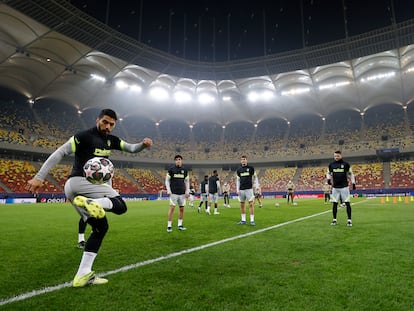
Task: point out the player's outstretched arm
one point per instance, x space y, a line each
134 148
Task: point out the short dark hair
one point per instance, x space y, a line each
338 152
215 171
109 113
243 157
178 156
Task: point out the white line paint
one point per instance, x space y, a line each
150 261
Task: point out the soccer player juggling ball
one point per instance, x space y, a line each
90 200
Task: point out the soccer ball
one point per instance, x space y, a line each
98 170
277 204
295 204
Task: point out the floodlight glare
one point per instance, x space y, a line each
205 98
121 84
182 97
158 93
136 88
267 95
98 77
253 96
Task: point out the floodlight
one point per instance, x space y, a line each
182 97
158 93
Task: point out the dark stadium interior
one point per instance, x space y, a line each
226 30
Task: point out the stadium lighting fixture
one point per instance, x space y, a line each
223 127
255 96
378 77
226 98
98 77
191 126
205 98
158 93
296 91
182 97
136 88
333 85
410 69
121 84
267 95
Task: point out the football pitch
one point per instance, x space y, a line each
293 259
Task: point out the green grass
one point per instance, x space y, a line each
303 265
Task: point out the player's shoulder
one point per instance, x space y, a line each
85 136
84 133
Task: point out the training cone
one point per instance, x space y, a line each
394 200
399 199
406 200
387 199
382 201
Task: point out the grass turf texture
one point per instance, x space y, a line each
304 265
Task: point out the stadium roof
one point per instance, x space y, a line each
49 50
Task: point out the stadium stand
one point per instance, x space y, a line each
149 182
15 173
401 174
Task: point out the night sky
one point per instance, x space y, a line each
215 31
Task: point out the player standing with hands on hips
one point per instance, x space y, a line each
90 200
337 175
244 186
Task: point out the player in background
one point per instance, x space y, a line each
192 196
290 190
226 194
326 192
81 233
91 201
177 183
258 196
337 176
213 192
245 177
203 194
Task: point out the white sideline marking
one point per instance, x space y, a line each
150 261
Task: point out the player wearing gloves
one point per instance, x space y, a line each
337 175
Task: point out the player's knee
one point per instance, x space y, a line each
99 227
118 205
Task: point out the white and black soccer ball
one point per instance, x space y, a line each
98 170
277 204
